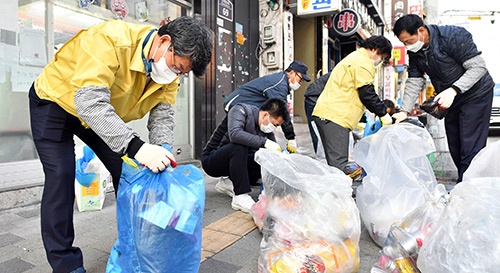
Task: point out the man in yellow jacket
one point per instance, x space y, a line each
347 92
99 80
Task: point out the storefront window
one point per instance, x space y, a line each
24 53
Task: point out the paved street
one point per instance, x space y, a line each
234 248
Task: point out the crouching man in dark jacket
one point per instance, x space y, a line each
230 152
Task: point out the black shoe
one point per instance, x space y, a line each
79 270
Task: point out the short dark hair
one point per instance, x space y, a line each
190 38
276 108
390 104
410 23
380 43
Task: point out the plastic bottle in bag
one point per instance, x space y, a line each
386 263
409 244
404 249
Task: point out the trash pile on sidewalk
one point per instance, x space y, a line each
311 223
423 228
400 177
405 238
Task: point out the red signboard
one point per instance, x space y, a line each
399 55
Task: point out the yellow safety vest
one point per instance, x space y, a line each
108 54
339 102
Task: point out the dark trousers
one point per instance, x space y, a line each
335 139
53 130
235 161
467 131
309 107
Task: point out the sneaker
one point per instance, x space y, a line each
79 270
225 186
355 172
242 202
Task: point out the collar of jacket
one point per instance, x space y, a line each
287 82
137 64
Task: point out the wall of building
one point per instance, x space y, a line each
305 51
236 39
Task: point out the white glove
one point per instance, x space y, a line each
155 157
273 146
291 146
386 120
400 116
445 98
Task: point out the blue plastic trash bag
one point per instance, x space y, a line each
84 178
372 125
159 218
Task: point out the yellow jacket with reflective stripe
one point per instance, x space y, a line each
339 102
107 54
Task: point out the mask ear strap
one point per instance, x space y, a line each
154 53
164 52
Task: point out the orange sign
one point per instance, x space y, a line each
305 4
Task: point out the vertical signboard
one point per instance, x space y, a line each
388 83
399 8
325 50
415 7
288 48
288 38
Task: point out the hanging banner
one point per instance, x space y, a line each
346 22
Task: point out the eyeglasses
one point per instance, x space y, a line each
175 69
300 77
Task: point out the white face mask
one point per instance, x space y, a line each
377 62
160 72
269 128
416 46
294 86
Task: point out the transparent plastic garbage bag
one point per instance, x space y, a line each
310 220
483 164
402 246
399 176
159 219
466 239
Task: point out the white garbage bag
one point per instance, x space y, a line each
485 163
311 223
467 237
399 176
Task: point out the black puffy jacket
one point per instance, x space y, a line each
450 47
241 127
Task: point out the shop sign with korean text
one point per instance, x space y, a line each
346 22
309 8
